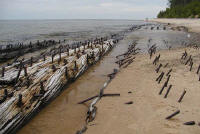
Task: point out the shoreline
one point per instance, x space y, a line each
193 25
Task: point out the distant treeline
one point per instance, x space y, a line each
181 9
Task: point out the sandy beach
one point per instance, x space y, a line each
193 25
149 109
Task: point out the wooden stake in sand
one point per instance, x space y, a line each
198 69
172 115
157 70
170 86
160 77
183 94
3 71
191 66
163 87
169 72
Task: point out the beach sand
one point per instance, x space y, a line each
193 25
149 109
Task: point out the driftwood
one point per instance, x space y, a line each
189 123
172 115
170 86
93 97
183 94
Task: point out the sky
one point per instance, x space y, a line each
80 9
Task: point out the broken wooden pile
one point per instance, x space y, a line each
127 58
25 88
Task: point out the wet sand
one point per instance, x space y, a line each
148 112
63 115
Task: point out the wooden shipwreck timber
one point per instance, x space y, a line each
27 86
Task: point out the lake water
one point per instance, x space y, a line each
14 31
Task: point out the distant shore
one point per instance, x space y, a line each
193 25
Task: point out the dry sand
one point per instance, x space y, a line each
193 25
148 112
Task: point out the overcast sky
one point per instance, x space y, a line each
80 9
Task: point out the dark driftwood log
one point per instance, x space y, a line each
190 123
183 94
93 97
172 115
170 86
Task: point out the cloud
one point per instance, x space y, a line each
81 9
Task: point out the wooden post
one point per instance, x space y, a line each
188 60
19 102
42 91
169 72
183 94
17 78
66 73
75 65
198 69
191 66
44 57
25 71
157 70
172 115
31 61
52 57
170 86
160 77
68 52
168 80
3 72
5 92
87 59
163 87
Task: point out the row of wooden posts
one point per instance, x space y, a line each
168 75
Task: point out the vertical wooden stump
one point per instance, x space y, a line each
42 91
183 94
31 61
157 70
169 72
19 102
75 65
198 69
68 52
66 73
25 71
44 57
18 74
3 72
52 57
168 80
191 66
170 86
87 59
163 87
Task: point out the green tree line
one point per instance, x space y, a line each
181 9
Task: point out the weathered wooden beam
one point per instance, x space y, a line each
170 86
183 94
172 115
